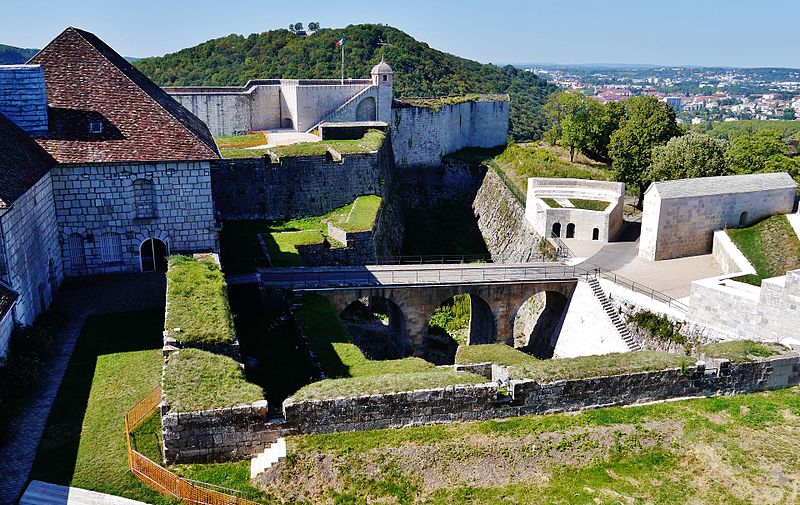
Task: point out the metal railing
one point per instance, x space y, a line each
161 479
518 194
562 249
637 287
358 277
454 259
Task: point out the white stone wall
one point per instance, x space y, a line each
95 199
542 217
32 251
421 136
224 113
729 257
679 227
315 102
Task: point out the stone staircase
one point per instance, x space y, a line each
271 455
43 493
616 320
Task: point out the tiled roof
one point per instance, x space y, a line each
22 162
705 186
87 81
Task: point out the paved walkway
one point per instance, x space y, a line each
277 138
78 300
44 493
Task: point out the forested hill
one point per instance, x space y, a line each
420 71
10 55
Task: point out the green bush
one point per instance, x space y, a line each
200 380
197 302
658 326
452 319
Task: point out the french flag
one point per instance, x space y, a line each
340 42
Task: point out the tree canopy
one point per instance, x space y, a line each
582 123
646 123
420 71
688 156
764 151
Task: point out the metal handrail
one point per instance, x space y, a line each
452 259
638 287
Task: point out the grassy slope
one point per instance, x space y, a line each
198 301
116 362
241 141
724 450
362 214
771 246
199 380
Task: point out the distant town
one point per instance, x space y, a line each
698 94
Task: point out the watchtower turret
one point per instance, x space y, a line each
382 77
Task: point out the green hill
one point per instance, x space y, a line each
10 55
420 71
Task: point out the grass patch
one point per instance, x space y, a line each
361 215
657 326
385 383
200 380
116 362
241 141
371 142
198 302
437 103
595 205
282 246
499 354
741 351
583 367
242 153
552 203
771 246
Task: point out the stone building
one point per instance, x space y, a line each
568 220
680 217
296 104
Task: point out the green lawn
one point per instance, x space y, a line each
578 203
369 143
740 351
771 246
360 216
116 362
198 302
241 141
242 153
282 246
499 354
200 380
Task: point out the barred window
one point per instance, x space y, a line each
144 198
75 251
110 247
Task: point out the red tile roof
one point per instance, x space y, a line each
22 163
87 81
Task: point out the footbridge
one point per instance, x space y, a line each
414 292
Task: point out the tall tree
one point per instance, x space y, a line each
605 120
570 116
764 151
688 156
647 123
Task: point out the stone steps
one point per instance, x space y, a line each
271 455
616 320
43 493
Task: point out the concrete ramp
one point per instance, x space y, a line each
43 493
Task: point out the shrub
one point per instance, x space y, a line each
658 326
197 302
452 319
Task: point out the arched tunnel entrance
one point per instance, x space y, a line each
463 319
378 327
537 323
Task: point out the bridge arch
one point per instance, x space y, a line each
537 322
378 327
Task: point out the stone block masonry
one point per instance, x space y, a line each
481 402
103 219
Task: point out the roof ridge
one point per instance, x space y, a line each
214 150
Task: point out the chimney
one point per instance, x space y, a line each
23 97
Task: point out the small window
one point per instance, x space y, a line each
743 218
110 247
143 197
385 77
95 127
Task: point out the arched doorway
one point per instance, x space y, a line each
366 110
287 123
378 327
462 319
153 255
556 229
596 234
571 230
537 323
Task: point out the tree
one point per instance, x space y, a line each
761 152
570 116
647 123
789 113
605 120
688 156
313 26
298 27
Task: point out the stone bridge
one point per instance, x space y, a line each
497 292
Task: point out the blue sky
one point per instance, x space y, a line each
698 32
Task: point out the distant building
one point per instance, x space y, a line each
674 102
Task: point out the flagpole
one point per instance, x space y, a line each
343 62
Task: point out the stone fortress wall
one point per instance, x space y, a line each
680 217
94 201
421 136
585 223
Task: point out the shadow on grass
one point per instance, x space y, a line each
125 376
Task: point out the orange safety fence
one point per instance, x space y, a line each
161 479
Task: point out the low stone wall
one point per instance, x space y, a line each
501 220
480 402
218 435
729 257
